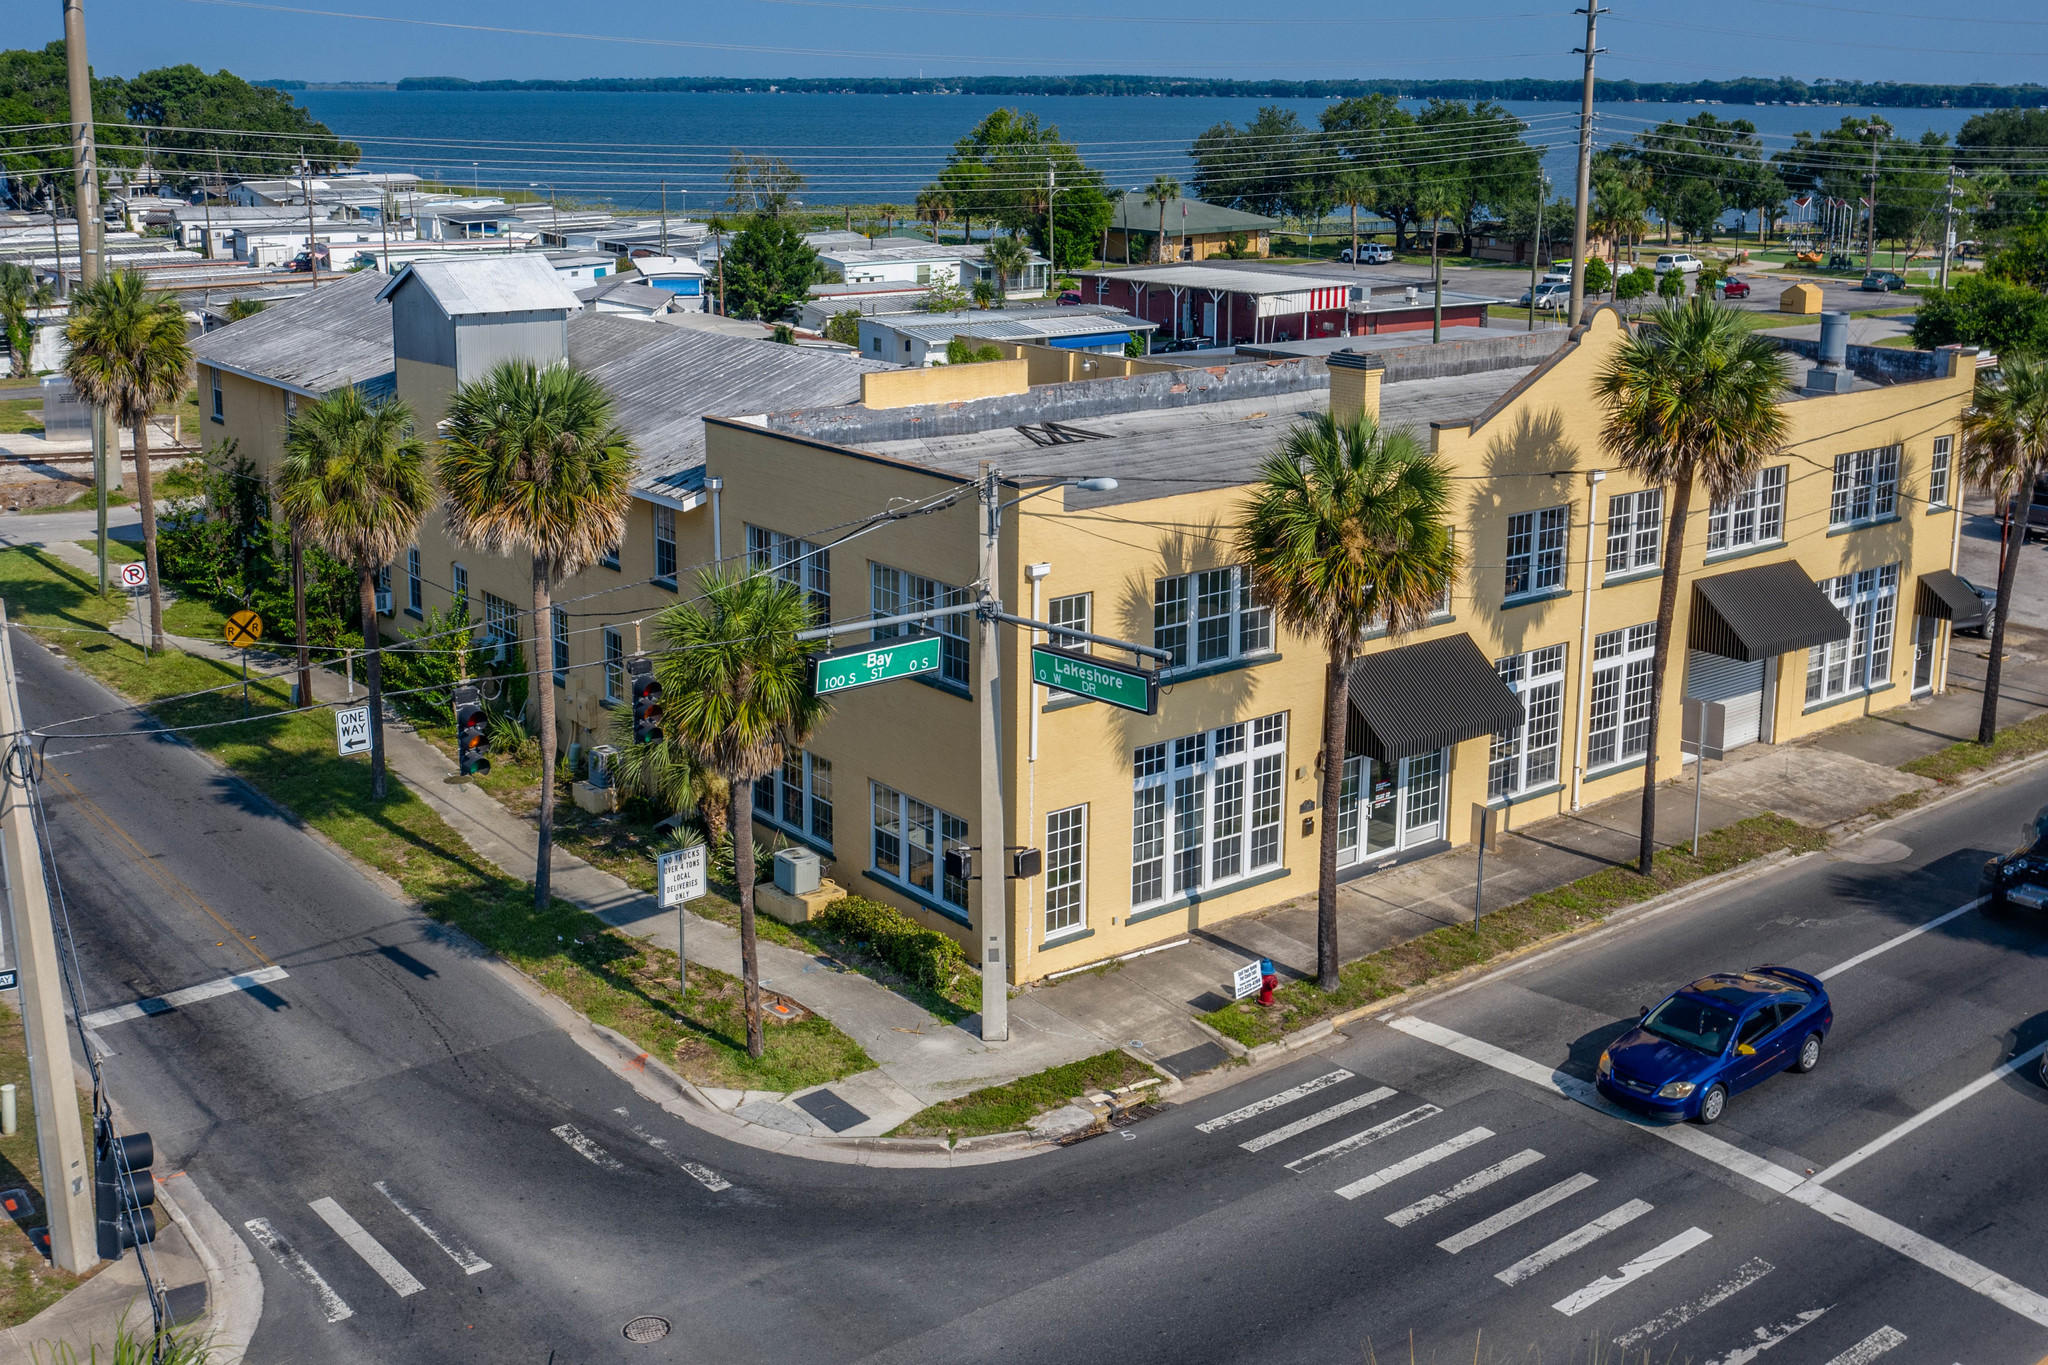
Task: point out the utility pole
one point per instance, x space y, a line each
995 883
91 250
664 218
1052 270
1948 227
1871 131
60 1138
1592 11
1536 246
312 242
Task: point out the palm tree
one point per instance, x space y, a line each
2005 449
534 463
1435 201
1163 190
1008 257
934 206
1346 529
1354 187
354 481
128 355
1691 398
21 293
736 689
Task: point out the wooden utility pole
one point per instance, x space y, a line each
312 241
106 444
1592 11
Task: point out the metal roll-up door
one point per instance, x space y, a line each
1736 685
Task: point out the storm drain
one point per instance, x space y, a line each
648 1328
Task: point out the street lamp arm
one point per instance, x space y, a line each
1095 485
1069 633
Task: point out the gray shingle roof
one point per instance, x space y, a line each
466 287
1136 213
325 339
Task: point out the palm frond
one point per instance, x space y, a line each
129 352
2005 428
354 478
735 680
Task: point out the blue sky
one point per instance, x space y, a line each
1991 40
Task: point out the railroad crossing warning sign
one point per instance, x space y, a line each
244 628
135 575
352 731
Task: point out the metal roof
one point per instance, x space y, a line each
1426 696
477 285
1138 214
1015 324
325 339
1223 278
1759 613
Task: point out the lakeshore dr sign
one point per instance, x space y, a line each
1069 670
878 661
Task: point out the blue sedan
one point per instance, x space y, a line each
1719 1035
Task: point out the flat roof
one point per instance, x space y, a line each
1013 324
1384 341
1230 279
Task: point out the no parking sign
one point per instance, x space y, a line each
135 575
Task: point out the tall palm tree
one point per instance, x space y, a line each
128 355
736 691
1346 529
354 481
534 463
2005 449
1354 187
1163 190
1009 258
21 293
934 206
1691 398
1436 200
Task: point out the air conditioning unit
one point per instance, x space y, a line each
601 757
384 603
797 870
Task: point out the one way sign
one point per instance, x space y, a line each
352 731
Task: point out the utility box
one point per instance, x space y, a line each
797 909
797 870
1800 298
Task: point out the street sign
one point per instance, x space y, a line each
681 874
1084 675
880 661
10 979
1246 981
135 575
1705 728
352 731
244 628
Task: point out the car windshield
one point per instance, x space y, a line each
1692 1023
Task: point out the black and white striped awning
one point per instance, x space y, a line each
1759 613
1424 697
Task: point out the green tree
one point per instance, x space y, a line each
1001 167
1346 530
1997 315
1370 136
934 206
1691 401
1009 258
354 482
533 462
238 309
1354 186
769 269
2009 144
736 686
760 185
2005 449
2023 259
198 122
1163 190
129 355
1436 199
1254 168
1479 151
1671 285
844 327
20 295
1696 207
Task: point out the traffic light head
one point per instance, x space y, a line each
646 701
124 1190
470 727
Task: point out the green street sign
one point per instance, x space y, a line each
1070 670
879 661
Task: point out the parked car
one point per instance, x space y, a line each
2017 877
1369 253
1550 294
1716 1037
1989 597
1732 288
1881 282
1677 260
1072 296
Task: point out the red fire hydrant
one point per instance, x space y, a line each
1268 979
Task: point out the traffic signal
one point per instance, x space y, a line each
470 724
646 701
124 1191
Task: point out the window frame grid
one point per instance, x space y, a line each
614 665
923 847
1066 871
1940 472
1207 809
665 561
1862 663
1516 762
558 642
415 585
1210 617
1635 531
1866 487
1537 550
1618 695
1740 522
894 592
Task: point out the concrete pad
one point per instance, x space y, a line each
728 1100
876 1095
1068 1118
1814 786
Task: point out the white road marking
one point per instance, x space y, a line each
1871 1347
1315 1120
1272 1102
1576 1240
588 1150
1936 1257
457 1250
1515 1213
369 1248
190 995
1478 1180
1746 1274
703 1175
1387 1175
1764 1338
1932 1112
331 1303
1345 1146
1656 1258
1892 943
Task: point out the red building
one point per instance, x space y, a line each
1227 306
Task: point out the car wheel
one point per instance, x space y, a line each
1809 1054
1713 1104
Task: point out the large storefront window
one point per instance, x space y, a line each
1870 599
1525 758
1618 721
1206 808
910 843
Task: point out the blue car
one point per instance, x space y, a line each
1719 1035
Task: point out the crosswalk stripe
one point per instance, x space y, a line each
402 1281
332 1305
1657 1257
1576 1240
1871 1347
1315 1120
1746 1274
1478 1180
1387 1175
1515 1213
585 1148
1764 1338
703 1175
190 995
1272 1102
457 1251
1345 1146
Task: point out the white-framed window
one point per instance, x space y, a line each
793 561
1635 530
220 412
501 620
1525 758
1072 612
1066 876
1206 808
1938 471
1618 721
415 588
1210 617
1536 550
614 665
458 579
895 592
798 795
1754 516
1866 486
1870 599
910 843
665 544
558 639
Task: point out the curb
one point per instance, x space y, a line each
234 1287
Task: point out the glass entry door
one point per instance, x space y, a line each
1383 808
1926 631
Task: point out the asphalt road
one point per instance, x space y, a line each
388 1068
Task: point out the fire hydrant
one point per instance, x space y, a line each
1268 979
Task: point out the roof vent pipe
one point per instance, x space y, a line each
1834 339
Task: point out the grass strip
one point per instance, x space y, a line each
1456 947
1008 1107
610 978
1950 764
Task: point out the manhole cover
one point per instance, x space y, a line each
647 1329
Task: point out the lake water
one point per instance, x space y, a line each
619 148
